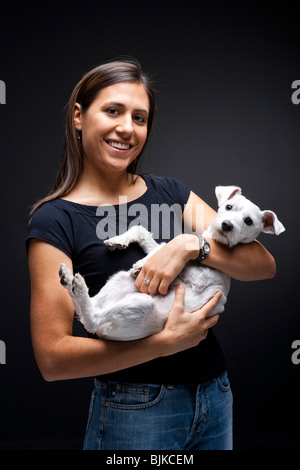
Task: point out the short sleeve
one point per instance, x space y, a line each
173 190
178 191
52 225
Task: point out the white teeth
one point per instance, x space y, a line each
118 145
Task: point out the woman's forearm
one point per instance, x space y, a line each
243 262
77 357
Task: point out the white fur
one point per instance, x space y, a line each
120 312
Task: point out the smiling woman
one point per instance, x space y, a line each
113 132
82 97
109 119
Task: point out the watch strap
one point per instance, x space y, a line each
202 255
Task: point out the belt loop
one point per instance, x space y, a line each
170 387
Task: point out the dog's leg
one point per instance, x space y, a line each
125 318
80 294
136 234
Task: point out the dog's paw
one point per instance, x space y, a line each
113 243
78 285
135 271
66 276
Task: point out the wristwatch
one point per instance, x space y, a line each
204 249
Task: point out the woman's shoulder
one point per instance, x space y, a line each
55 214
51 223
169 184
162 180
49 209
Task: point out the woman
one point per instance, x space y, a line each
169 390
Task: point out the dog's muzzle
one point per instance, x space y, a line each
227 226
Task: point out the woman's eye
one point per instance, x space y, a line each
248 221
140 119
228 207
112 111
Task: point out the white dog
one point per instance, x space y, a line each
120 312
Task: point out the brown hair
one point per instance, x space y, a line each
86 90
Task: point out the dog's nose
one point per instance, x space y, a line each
227 226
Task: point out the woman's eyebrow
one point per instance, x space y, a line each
121 105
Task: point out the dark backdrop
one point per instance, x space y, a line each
223 74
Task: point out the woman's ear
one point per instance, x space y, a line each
77 117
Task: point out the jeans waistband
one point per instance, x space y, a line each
114 383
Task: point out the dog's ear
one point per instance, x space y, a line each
223 193
271 223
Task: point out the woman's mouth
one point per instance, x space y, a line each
118 145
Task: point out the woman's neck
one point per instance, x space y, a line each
97 189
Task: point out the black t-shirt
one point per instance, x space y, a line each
79 230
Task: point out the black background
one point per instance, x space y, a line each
223 73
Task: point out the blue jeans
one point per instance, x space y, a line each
160 417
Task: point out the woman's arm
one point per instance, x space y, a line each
62 356
244 262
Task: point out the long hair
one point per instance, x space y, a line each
86 90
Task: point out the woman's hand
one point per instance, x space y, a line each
163 267
184 330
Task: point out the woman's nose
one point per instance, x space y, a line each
125 126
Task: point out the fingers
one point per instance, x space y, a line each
207 308
204 312
157 284
143 286
139 282
179 296
186 329
161 269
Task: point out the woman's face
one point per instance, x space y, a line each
114 127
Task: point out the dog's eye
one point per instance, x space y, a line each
248 221
228 207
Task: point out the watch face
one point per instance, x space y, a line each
206 248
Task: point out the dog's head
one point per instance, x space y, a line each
239 220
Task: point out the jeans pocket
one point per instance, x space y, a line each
223 382
90 431
133 396
91 408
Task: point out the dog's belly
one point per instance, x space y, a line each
201 284
127 310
